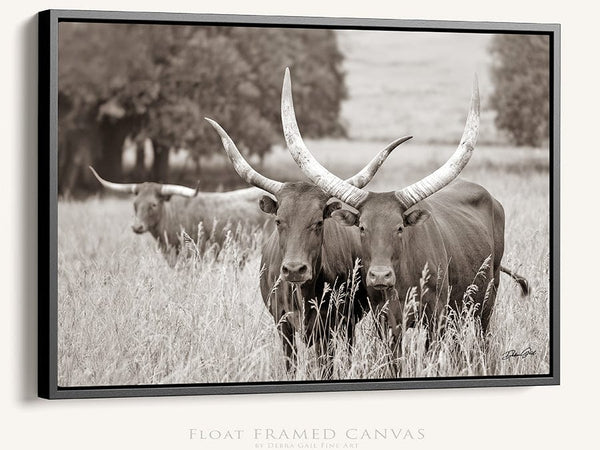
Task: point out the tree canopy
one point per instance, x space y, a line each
521 76
160 81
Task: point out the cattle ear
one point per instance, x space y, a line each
415 217
345 217
331 208
268 205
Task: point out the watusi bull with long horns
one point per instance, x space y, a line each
454 227
166 210
306 252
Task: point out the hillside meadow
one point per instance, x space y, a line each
126 317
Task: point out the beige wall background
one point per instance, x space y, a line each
540 417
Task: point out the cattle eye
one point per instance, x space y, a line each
277 222
361 228
153 205
319 224
400 229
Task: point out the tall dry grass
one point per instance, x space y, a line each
125 316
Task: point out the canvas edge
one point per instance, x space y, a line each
48 21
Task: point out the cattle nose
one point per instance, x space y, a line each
137 228
381 277
295 271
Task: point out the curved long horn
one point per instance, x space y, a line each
327 181
362 178
241 166
129 188
174 189
435 181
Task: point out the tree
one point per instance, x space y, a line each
160 81
521 77
96 73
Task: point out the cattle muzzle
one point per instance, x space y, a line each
138 228
295 272
381 277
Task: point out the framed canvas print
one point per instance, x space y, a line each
246 204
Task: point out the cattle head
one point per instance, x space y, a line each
149 202
385 232
299 209
386 220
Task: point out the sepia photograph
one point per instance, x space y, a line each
265 204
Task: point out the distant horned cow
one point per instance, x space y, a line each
165 210
439 221
306 251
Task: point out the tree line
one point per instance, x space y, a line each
158 82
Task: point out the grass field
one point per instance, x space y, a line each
415 83
126 317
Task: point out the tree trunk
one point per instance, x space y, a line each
160 167
139 171
79 148
112 136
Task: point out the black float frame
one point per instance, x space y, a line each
48 210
